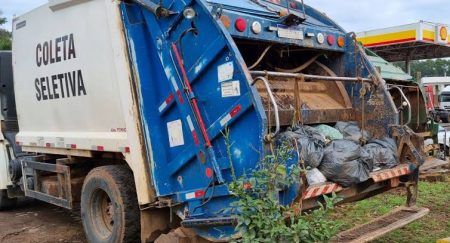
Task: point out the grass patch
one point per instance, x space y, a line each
436 225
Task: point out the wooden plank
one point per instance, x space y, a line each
374 234
431 163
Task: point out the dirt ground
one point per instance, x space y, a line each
34 221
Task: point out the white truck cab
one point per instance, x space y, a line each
444 99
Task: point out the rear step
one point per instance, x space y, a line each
382 225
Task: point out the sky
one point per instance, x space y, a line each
352 15
17 7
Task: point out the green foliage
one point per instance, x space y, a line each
261 217
5 43
5 36
2 19
429 68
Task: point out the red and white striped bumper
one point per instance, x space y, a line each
384 175
329 187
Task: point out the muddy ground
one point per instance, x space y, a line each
34 221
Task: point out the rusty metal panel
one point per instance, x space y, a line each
47 194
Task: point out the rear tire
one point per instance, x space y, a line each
109 207
5 201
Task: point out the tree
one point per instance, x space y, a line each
5 35
429 68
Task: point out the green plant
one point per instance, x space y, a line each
261 216
5 36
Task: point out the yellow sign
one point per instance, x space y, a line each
443 33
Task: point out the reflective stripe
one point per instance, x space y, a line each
50 145
71 146
196 194
191 128
166 103
391 173
191 125
224 121
98 148
124 149
315 191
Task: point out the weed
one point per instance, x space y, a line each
261 216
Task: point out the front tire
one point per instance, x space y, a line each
5 201
109 207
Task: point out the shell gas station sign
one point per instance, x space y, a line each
442 34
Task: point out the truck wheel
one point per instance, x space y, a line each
109 207
5 201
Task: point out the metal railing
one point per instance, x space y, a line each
274 104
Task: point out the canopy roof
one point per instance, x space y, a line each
422 40
436 80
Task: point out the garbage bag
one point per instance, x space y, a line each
384 153
310 144
329 133
314 177
346 163
352 131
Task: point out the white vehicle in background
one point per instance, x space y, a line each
443 135
444 99
439 97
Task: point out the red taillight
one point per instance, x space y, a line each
330 40
241 24
209 172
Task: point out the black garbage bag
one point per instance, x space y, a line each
384 153
346 163
352 131
310 143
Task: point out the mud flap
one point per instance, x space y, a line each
382 225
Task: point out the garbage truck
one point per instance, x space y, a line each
122 106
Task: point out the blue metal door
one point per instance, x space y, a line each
193 86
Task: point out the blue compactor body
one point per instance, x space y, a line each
252 68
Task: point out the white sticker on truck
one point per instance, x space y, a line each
175 130
225 71
231 89
290 34
60 143
190 195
